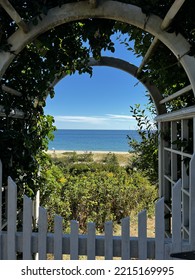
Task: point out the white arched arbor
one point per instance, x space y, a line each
114 10
130 69
169 153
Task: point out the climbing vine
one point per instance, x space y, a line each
67 49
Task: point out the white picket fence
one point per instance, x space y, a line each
42 244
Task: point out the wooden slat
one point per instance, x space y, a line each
176 94
14 15
176 217
165 24
42 234
184 113
15 113
177 152
1 185
125 239
108 245
58 232
74 240
27 228
159 229
148 54
0 207
91 248
192 203
172 13
11 217
142 235
11 91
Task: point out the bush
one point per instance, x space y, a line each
94 192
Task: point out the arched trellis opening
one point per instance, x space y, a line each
170 124
126 67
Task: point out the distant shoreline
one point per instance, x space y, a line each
98 156
84 152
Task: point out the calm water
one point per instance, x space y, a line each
92 140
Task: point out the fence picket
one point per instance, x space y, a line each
0 197
91 244
159 229
11 220
125 239
0 206
42 234
74 240
142 235
192 204
108 245
58 230
176 217
27 228
91 241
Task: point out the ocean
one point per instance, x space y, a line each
92 140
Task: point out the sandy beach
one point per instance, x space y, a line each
59 152
98 156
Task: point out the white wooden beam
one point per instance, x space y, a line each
15 113
184 113
165 24
11 90
148 54
176 94
171 13
14 15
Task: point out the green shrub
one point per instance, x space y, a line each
94 192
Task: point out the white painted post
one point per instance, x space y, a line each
108 245
159 229
125 239
176 217
11 220
36 205
142 235
42 234
74 240
192 204
0 206
27 228
91 248
58 231
1 196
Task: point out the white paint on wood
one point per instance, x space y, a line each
27 228
176 217
159 230
142 235
42 234
58 231
108 227
91 243
57 243
176 94
1 185
74 240
125 240
11 220
192 204
184 113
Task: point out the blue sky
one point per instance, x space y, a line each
99 102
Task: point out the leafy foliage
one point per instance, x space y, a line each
66 49
95 192
146 151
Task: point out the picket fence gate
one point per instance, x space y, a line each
28 244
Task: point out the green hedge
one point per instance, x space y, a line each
95 192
